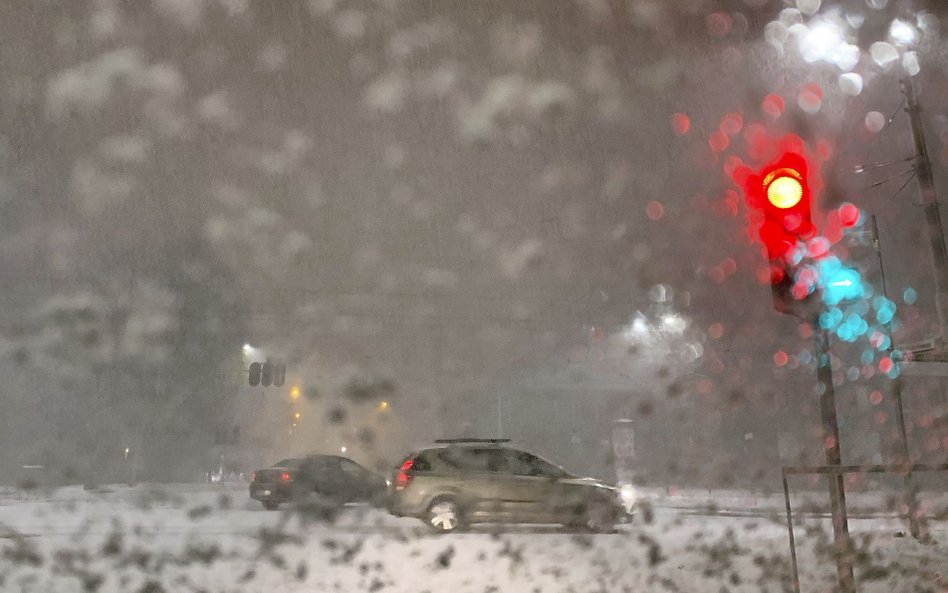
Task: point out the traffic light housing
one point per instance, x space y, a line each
779 197
266 374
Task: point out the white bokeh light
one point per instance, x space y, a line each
850 83
902 32
809 7
910 63
875 121
883 53
820 42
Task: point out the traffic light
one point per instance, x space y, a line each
266 374
256 370
779 196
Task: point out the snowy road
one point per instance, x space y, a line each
191 538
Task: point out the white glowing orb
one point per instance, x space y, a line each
850 83
902 32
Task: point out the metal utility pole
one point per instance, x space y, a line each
926 188
911 501
837 491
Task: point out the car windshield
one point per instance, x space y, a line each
692 250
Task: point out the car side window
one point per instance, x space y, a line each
522 463
351 469
472 460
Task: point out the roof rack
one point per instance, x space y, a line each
456 441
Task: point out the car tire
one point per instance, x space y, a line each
444 515
601 519
271 505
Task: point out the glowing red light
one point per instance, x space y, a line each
781 358
784 187
681 123
253 477
731 165
825 149
885 365
811 97
719 24
715 330
875 397
772 105
779 200
286 477
848 215
718 141
404 476
818 247
731 123
654 210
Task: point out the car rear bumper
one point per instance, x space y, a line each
401 504
270 493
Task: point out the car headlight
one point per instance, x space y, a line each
628 496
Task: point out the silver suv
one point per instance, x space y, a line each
464 481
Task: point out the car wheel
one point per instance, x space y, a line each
270 505
444 515
601 519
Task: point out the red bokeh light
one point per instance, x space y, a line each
772 105
731 164
781 358
885 365
848 214
718 141
731 123
875 397
681 123
719 24
715 330
655 210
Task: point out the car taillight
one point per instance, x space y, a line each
404 475
253 477
286 477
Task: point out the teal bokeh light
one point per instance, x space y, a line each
839 282
885 309
910 296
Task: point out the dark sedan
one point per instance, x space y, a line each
328 478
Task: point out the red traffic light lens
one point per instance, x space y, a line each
784 188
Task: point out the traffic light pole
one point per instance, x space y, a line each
837 491
911 501
926 188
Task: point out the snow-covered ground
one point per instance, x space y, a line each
203 538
